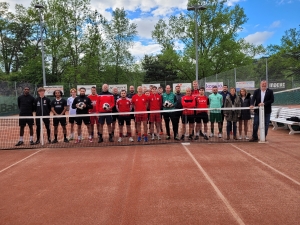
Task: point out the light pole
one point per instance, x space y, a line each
267 75
196 8
40 7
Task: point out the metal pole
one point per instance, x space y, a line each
262 124
234 77
267 71
42 42
196 42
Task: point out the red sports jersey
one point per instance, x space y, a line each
188 102
155 102
195 93
105 98
202 102
139 103
124 105
94 99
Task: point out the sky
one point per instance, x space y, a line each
267 19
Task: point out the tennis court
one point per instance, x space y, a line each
183 183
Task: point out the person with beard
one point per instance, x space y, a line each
43 108
215 101
82 104
245 113
188 102
26 106
59 107
232 116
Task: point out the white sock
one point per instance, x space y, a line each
21 138
79 137
31 138
90 136
197 134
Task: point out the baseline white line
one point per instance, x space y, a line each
217 190
19 161
267 165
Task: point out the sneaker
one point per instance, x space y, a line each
246 137
91 139
197 137
71 138
119 139
100 140
220 135
205 137
131 139
177 138
211 135
227 138
153 137
253 140
190 137
201 134
78 141
37 142
145 139
19 143
168 137
139 139
66 140
182 137
234 138
158 137
54 141
31 142
240 138
49 140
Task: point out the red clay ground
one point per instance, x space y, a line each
229 183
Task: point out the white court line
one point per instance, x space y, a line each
219 193
19 161
267 165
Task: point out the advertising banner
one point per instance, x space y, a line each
248 85
87 87
119 86
209 86
183 86
277 85
50 89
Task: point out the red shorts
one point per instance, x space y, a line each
94 120
155 117
141 117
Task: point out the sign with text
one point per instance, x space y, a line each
148 85
277 85
119 86
50 89
87 87
248 85
183 86
209 86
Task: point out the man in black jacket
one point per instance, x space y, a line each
26 107
261 97
82 104
43 108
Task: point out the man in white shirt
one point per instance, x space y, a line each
71 111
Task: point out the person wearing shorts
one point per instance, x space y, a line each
94 119
123 105
59 107
188 117
116 95
71 112
105 97
26 106
140 104
215 101
155 103
201 115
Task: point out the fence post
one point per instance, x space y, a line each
42 131
262 124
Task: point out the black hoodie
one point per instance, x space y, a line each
43 106
84 99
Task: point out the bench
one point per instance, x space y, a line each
283 114
275 112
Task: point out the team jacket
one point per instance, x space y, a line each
195 93
124 105
188 102
202 102
155 102
139 102
94 99
105 97
26 105
84 99
42 106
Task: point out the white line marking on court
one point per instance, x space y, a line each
267 165
217 190
19 161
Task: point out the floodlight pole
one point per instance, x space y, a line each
40 7
195 8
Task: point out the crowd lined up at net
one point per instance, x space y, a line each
147 108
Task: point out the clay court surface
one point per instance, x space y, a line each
196 183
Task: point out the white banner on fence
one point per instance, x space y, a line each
50 89
209 86
183 86
148 85
248 85
119 86
87 87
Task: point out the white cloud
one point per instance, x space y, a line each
139 50
258 38
232 2
145 26
275 24
281 2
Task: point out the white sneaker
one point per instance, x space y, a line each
240 138
246 137
120 139
153 137
131 139
211 135
158 137
220 135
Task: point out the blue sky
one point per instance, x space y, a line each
267 19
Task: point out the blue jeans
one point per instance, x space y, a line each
256 125
229 128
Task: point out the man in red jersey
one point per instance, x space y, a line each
140 104
94 119
123 104
195 93
201 115
105 104
188 102
155 103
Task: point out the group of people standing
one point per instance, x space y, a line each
191 108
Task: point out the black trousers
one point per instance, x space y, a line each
38 127
175 121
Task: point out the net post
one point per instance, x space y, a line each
42 131
262 124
